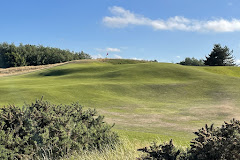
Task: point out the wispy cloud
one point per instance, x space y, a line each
117 56
123 18
113 50
97 56
178 57
108 49
134 58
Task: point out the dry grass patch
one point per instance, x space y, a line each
226 109
182 120
27 69
147 121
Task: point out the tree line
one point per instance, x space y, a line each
33 55
219 56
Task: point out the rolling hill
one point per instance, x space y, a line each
145 100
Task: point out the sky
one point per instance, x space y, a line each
163 30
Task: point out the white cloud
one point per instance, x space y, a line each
113 50
97 56
117 56
136 58
238 61
108 50
123 18
178 57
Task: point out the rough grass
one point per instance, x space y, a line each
27 69
125 150
24 69
145 100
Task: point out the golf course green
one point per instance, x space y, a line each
145 100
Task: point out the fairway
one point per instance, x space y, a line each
145 100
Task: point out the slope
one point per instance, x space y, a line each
145 100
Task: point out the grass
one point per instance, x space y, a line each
126 150
145 100
25 69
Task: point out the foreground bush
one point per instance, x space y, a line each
166 151
45 130
217 143
222 143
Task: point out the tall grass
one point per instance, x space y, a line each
125 150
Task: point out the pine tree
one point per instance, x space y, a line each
220 56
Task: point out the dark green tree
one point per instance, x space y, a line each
13 60
83 55
220 56
32 55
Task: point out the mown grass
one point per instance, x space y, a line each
145 100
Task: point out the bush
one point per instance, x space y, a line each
166 151
192 62
217 143
211 144
42 129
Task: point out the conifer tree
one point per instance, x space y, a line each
220 56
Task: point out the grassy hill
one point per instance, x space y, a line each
145 100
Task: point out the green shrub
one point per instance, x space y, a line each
192 62
222 143
166 151
217 143
42 129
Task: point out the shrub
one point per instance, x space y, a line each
166 151
51 130
192 62
210 144
217 143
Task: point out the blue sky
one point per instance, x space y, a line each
165 30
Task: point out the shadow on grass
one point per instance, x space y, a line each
60 72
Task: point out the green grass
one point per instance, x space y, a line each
145 100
